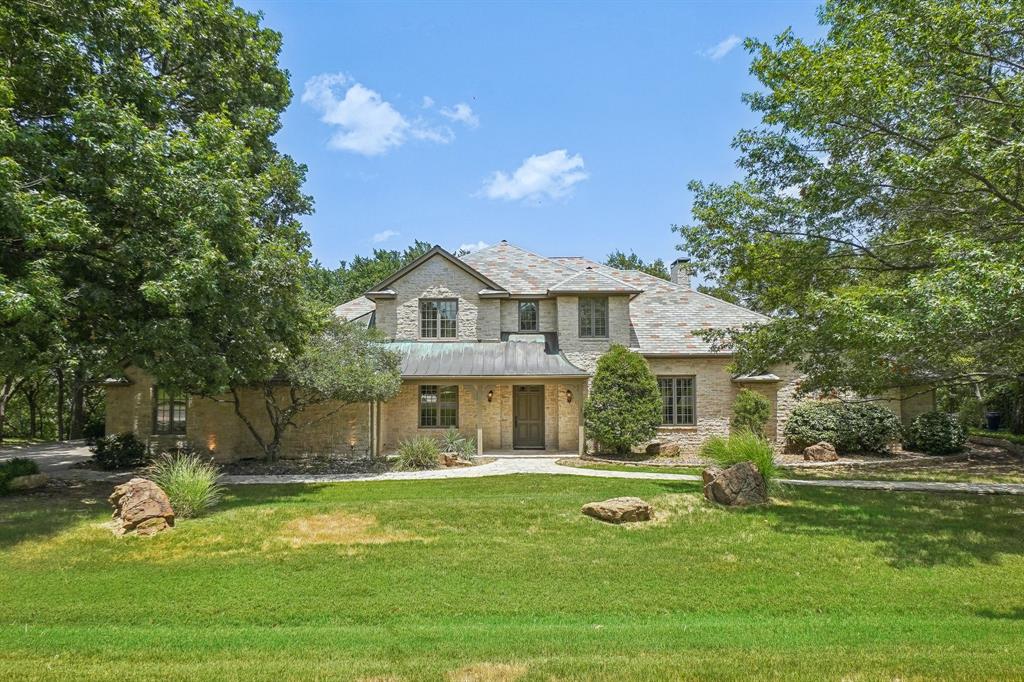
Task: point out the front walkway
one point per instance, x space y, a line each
56 459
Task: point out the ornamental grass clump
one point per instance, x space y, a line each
421 452
742 446
191 482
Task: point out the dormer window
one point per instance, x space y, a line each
593 317
438 318
528 316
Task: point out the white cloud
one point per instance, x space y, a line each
552 174
427 102
367 123
462 113
380 237
470 248
723 48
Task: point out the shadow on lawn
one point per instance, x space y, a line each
909 529
41 515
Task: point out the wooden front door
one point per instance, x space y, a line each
528 417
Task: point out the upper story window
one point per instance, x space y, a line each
528 316
678 400
593 317
437 318
168 411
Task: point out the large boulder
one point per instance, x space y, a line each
738 486
619 510
821 452
141 507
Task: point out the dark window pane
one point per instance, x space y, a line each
169 411
593 313
528 316
438 319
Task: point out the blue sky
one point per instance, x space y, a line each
569 129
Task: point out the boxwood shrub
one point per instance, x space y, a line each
120 451
936 433
849 426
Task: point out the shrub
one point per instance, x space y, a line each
420 452
850 427
452 440
192 483
624 407
971 413
120 451
467 450
750 411
12 468
742 446
94 429
936 433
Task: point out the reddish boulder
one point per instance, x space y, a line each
821 452
619 510
738 486
141 507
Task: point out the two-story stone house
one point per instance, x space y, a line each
500 344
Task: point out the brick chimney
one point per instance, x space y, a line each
681 271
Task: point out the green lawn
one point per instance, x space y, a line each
502 578
972 474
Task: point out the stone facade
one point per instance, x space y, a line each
213 427
485 403
494 416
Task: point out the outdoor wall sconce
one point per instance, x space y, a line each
490 396
568 396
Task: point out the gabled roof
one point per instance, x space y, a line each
590 281
383 287
519 271
665 318
355 308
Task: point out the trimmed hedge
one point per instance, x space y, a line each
936 433
850 427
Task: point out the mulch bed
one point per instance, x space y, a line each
310 466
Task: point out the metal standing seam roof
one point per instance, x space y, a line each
483 359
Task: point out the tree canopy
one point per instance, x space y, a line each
880 217
147 215
619 260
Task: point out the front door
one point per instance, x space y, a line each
528 417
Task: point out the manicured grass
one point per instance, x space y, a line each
503 578
693 471
973 474
977 475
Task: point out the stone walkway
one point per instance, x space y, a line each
56 459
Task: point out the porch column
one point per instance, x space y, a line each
478 389
581 444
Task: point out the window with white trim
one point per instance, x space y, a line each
438 318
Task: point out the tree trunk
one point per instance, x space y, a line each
8 389
78 403
59 372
